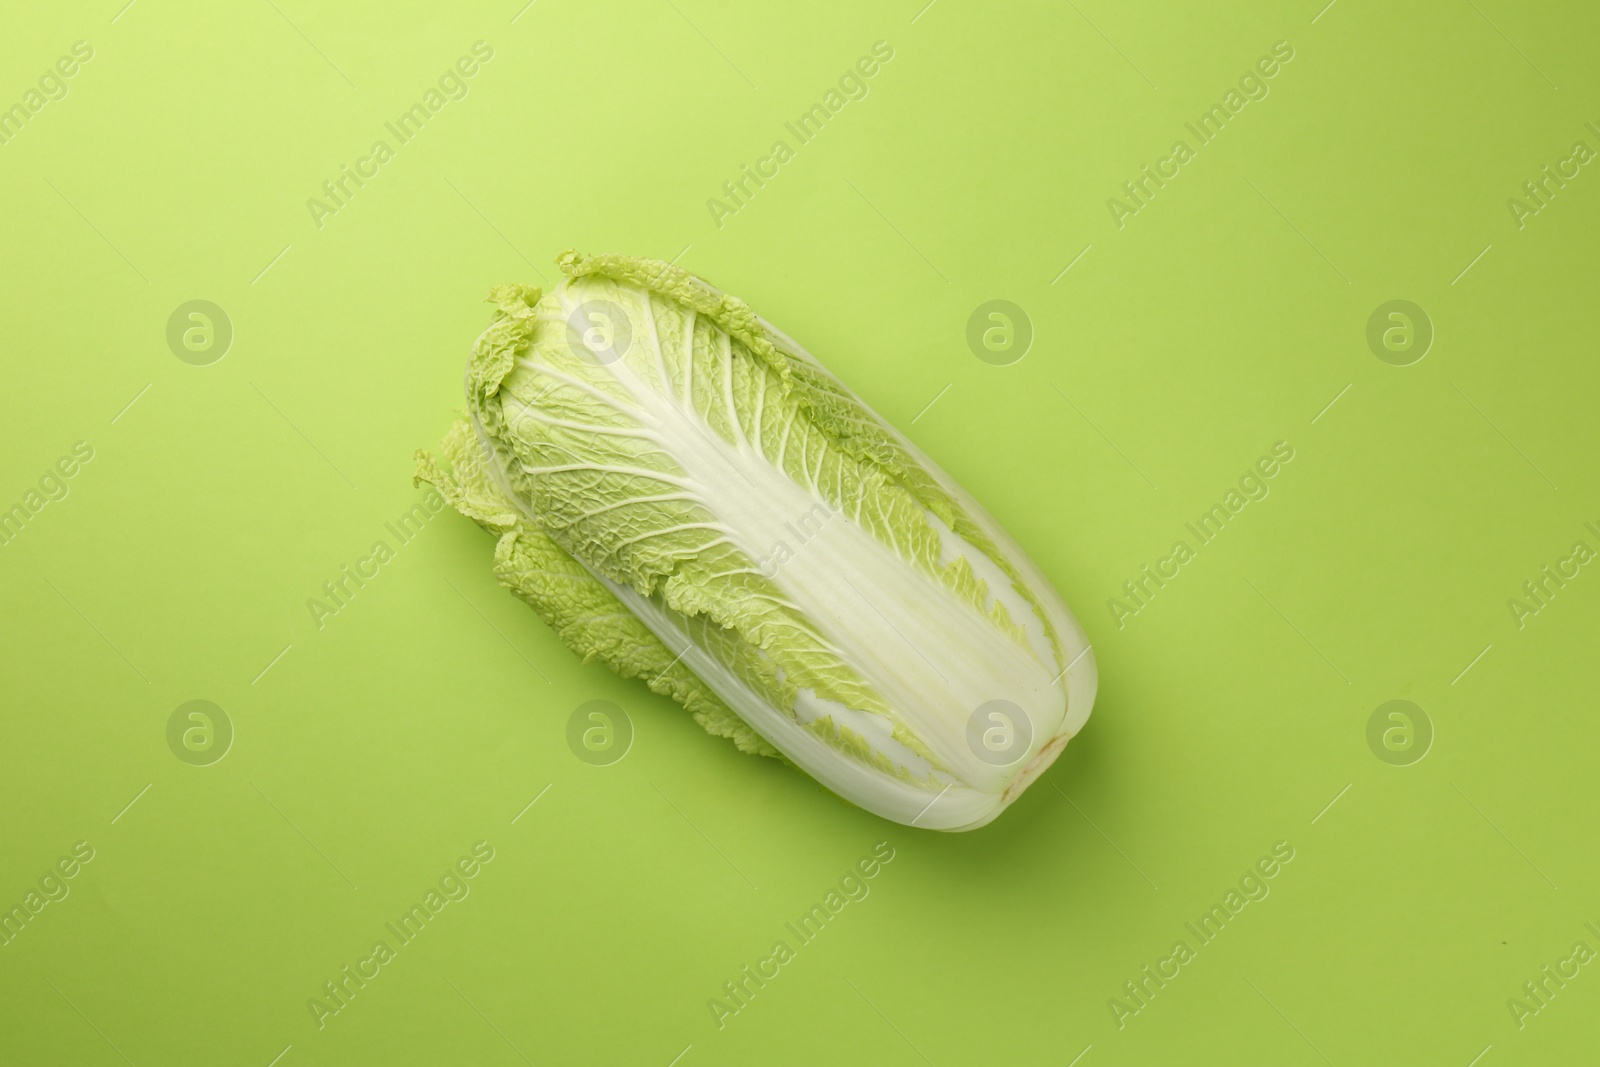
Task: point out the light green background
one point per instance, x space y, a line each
424 717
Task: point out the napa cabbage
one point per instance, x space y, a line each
687 495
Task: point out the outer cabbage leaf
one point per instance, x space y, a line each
572 602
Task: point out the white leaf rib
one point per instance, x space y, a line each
592 483
761 410
688 359
714 527
782 602
727 390
578 384
731 573
661 498
814 476
637 472
783 442
655 341
802 439
526 411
